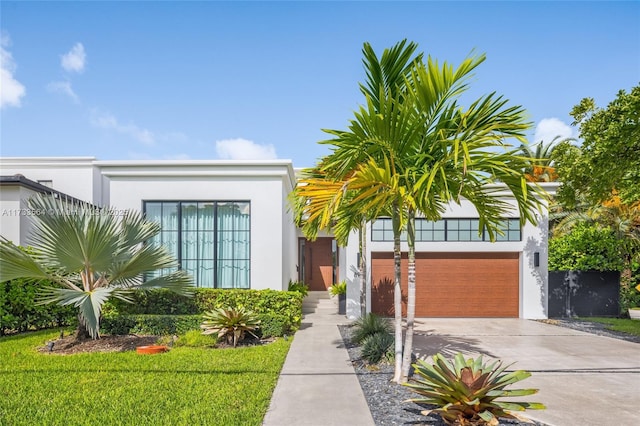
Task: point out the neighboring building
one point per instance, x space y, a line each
229 224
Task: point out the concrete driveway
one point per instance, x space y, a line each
583 379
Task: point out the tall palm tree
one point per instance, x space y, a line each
92 254
414 150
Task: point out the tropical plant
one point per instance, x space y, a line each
338 288
621 221
299 287
541 168
92 254
608 158
412 149
377 347
467 391
230 323
368 325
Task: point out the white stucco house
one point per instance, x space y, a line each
228 223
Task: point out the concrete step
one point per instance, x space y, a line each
325 305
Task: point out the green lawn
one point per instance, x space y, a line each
186 386
628 326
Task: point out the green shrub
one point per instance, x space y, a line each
162 302
150 324
299 286
230 323
377 347
369 325
20 312
153 302
466 392
339 288
195 339
287 303
585 248
273 325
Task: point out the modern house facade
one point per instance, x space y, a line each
228 223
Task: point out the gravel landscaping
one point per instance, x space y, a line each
387 400
593 328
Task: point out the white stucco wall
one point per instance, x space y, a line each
11 219
260 183
75 176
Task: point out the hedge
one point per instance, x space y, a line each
274 303
585 248
271 325
19 311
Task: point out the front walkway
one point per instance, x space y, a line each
318 385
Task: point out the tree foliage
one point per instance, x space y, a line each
609 158
412 149
586 247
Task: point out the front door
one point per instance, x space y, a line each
318 263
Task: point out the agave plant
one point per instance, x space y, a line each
231 323
369 325
466 391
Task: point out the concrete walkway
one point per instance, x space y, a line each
318 385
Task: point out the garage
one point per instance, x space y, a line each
451 284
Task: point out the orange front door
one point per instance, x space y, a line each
319 269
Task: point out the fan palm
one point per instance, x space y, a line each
91 254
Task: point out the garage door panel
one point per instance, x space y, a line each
452 284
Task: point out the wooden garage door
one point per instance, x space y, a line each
451 284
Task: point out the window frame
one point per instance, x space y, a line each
181 232
448 227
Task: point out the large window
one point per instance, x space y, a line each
447 230
211 239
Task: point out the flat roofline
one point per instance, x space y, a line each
21 180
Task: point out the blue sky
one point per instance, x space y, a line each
207 80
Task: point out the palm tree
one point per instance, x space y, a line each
541 167
414 150
91 254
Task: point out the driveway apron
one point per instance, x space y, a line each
584 379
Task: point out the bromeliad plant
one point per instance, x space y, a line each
466 391
230 323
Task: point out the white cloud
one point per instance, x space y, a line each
63 87
11 90
548 128
110 122
242 149
75 59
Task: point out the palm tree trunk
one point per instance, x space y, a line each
411 297
82 333
363 268
397 294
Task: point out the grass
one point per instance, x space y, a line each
185 386
622 325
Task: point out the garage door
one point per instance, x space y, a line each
451 284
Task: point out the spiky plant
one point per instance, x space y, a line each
466 391
230 323
92 254
369 325
378 347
